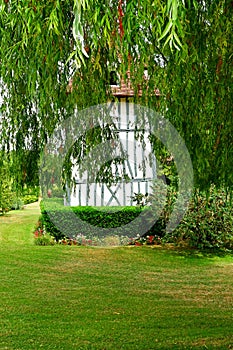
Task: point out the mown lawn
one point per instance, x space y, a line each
69 297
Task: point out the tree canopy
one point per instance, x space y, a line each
185 46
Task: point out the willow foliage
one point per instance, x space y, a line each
186 47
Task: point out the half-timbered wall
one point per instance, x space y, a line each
140 166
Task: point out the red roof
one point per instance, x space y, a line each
125 89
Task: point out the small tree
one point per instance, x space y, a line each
6 193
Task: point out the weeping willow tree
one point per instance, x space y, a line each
58 55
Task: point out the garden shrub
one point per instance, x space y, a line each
17 204
30 194
6 199
29 198
6 193
58 193
12 200
41 237
208 222
115 220
44 240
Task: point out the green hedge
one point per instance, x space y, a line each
208 222
59 221
29 198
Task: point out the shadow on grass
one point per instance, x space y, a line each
194 253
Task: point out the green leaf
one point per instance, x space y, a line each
166 30
177 39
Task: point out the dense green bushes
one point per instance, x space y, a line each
9 200
6 191
208 222
29 198
12 195
59 221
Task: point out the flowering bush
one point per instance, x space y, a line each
42 237
208 224
95 241
146 240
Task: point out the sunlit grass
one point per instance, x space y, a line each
17 225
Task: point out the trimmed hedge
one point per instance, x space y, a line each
61 221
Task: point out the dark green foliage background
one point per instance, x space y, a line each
194 77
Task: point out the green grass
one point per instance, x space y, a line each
69 297
16 226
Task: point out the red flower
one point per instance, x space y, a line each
151 239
